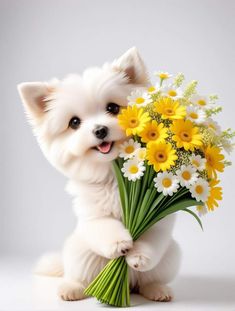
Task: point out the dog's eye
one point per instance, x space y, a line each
113 108
74 123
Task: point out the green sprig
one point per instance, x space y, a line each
228 134
227 163
190 89
213 111
179 79
213 98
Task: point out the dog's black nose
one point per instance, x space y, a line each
100 131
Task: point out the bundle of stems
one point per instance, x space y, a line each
142 207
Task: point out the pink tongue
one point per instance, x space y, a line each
104 147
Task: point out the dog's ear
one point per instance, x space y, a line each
133 66
35 97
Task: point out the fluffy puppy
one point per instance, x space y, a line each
76 126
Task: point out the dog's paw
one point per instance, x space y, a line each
156 292
118 248
138 262
71 291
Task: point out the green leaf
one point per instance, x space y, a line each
179 205
122 192
144 184
152 173
133 201
142 209
194 215
182 192
157 202
142 222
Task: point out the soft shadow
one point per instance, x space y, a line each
197 290
188 290
205 289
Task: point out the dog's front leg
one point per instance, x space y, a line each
106 237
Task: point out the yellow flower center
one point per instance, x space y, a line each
163 75
139 100
169 112
153 135
172 93
210 160
151 89
185 136
194 115
186 175
166 182
195 163
129 149
201 102
160 156
133 169
133 122
199 189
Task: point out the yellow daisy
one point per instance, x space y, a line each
214 196
169 109
154 132
214 160
133 120
186 135
161 155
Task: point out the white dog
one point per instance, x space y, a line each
76 126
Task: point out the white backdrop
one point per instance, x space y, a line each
45 39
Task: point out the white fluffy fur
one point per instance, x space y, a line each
100 234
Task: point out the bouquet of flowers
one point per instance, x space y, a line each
169 162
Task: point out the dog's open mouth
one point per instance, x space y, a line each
105 147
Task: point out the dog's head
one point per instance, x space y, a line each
75 120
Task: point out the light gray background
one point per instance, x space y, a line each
45 39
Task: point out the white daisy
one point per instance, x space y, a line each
163 75
202 102
213 126
187 175
202 210
139 98
133 169
200 190
153 89
172 91
128 149
166 182
195 114
198 162
140 154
